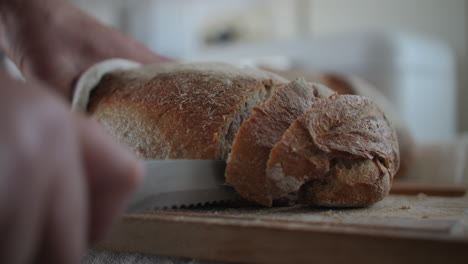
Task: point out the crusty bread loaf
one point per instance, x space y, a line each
180 111
339 151
246 166
344 148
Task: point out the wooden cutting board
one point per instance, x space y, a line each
399 229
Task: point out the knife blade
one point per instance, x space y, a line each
175 183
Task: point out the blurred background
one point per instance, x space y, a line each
414 51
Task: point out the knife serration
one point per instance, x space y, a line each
176 183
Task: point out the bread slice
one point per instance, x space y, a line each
354 85
344 147
180 111
247 162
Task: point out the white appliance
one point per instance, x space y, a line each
418 75
178 28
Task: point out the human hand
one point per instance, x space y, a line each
52 41
62 179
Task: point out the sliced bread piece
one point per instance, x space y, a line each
247 162
344 147
180 111
353 85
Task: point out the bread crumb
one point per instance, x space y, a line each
405 207
283 182
422 196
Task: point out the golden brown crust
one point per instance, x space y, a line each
177 110
247 162
345 144
352 85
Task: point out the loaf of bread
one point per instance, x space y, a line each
180 111
278 137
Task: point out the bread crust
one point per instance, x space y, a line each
177 111
256 137
344 147
353 85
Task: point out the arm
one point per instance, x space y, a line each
54 42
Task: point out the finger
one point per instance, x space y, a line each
65 236
113 172
65 207
137 51
122 47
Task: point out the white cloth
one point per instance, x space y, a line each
91 78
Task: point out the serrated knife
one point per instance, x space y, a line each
175 183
